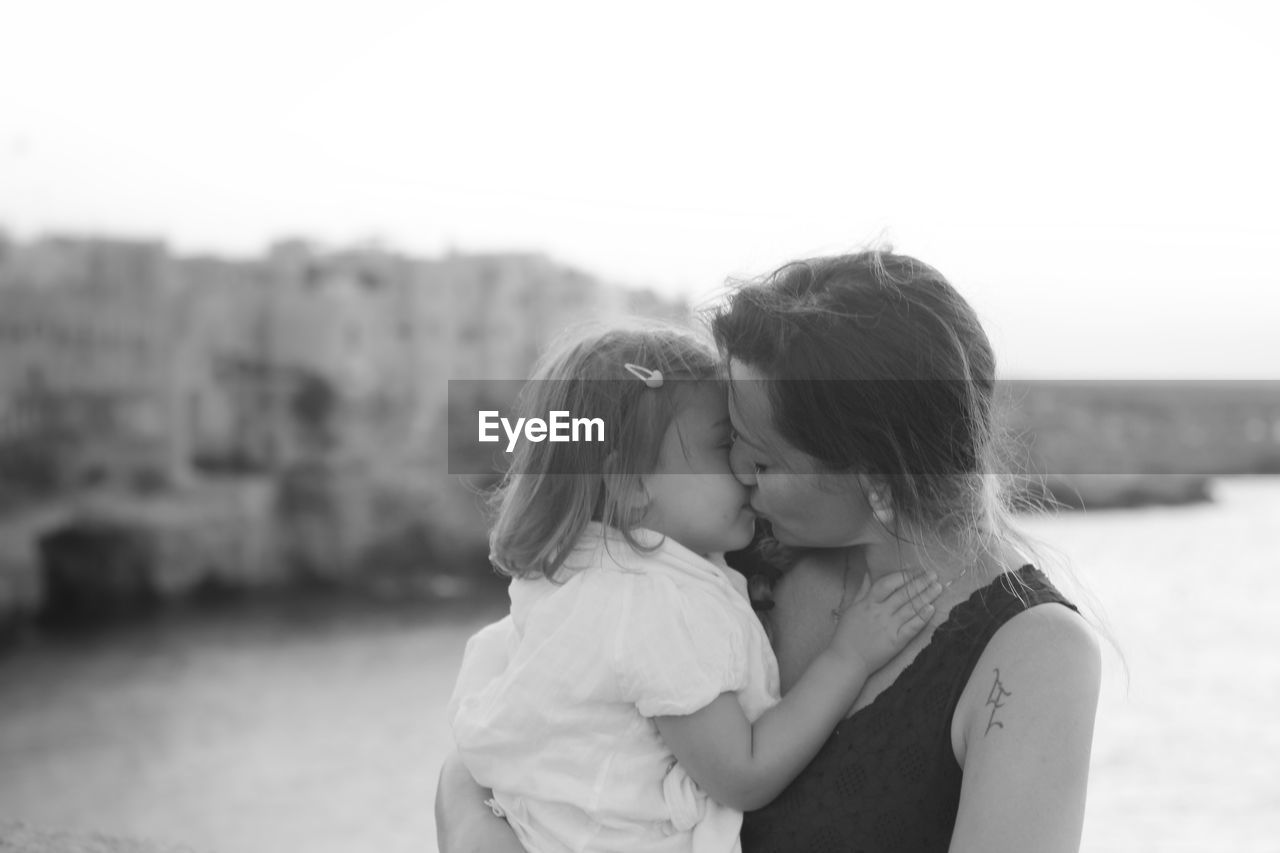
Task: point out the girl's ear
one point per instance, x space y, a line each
641 495
879 497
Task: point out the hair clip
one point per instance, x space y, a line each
651 378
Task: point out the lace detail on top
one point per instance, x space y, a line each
887 779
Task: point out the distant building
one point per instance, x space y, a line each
226 379
326 370
509 306
86 333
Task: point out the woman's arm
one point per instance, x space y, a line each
464 824
745 765
1023 732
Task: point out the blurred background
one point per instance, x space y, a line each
244 247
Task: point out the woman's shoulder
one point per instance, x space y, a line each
1046 655
1037 682
1030 618
1046 633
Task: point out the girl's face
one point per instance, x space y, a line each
693 495
806 506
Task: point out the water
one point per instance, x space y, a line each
1187 750
322 727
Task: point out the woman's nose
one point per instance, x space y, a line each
741 466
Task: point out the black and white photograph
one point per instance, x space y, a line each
446 427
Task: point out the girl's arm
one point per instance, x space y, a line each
745 765
1024 732
464 824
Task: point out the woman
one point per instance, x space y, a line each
862 396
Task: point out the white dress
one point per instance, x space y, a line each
553 703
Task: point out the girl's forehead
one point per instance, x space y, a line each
705 398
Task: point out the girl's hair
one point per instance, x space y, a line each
554 489
878 366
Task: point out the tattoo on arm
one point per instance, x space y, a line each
996 700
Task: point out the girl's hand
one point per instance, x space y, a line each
746 764
464 824
884 616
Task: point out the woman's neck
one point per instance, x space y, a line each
886 557
949 557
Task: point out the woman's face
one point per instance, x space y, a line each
806 506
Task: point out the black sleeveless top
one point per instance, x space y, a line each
887 779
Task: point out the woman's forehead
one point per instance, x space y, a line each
749 404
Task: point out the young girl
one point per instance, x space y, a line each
630 700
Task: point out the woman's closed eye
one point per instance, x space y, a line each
757 468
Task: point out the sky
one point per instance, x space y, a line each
1100 179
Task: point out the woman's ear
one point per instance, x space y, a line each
879 497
